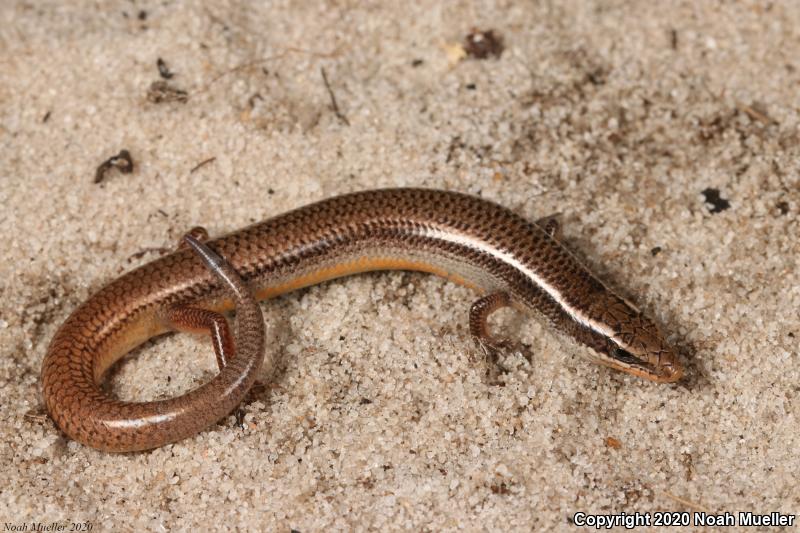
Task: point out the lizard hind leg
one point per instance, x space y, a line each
190 319
198 233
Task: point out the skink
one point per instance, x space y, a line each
466 239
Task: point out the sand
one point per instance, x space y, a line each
666 137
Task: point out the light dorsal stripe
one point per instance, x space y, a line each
508 258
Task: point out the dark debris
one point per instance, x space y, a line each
162 92
201 164
483 44
122 162
712 197
160 250
500 489
163 70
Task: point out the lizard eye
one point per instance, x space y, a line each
623 356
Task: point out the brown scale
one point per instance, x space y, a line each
372 230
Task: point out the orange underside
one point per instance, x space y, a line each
150 326
355 267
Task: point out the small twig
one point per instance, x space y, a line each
755 114
258 62
161 250
237 68
202 164
687 503
36 415
333 99
161 91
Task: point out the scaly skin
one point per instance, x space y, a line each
463 238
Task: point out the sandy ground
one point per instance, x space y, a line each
667 138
